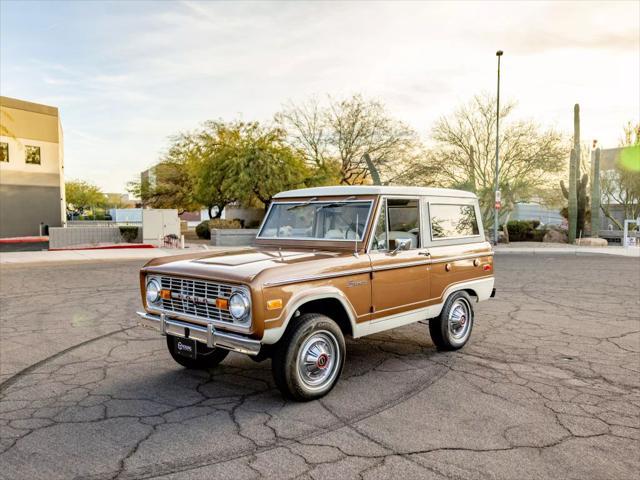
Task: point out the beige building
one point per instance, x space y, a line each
31 168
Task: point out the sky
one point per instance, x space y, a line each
127 75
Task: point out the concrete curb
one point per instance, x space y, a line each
23 240
64 256
616 251
97 255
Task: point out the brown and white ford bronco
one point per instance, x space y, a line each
329 262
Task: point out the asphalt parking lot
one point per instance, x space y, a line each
549 387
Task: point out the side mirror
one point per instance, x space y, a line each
401 244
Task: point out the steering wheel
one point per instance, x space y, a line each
355 228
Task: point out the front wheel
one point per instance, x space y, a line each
205 357
452 329
308 360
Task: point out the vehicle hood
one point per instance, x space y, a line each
249 264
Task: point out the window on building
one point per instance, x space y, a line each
453 221
4 152
33 155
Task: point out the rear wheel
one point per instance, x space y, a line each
452 329
308 360
205 357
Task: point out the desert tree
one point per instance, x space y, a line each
215 149
172 185
264 164
621 185
335 137
464 154
81 195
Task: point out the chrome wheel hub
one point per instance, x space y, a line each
459 319
322 361
318 360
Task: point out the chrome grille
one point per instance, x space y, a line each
196 297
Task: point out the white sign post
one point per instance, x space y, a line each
628 241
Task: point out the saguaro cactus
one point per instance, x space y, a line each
571 195
595 194
574 179
581 199
576 194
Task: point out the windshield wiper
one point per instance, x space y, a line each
331 205
293 207
336 204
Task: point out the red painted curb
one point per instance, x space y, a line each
107 247
24 240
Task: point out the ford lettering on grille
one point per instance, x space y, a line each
191 298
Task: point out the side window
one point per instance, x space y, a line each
403 217
4 152
380 235
33 155
399 220
453 221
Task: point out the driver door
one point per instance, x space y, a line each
400 278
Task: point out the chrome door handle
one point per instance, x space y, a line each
426 254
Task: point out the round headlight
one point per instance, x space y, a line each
238 305
153 291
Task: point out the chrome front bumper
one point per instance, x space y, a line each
208 335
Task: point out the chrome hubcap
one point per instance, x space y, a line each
459 319
318 359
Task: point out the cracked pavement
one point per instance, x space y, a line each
548 387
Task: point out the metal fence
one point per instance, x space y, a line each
616 237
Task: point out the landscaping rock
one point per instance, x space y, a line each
555 236
592 242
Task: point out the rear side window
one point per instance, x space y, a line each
453 221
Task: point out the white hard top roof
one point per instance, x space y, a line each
374 190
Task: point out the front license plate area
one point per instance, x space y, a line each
185 347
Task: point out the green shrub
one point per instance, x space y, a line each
203 230
518 230
253 223
222 223
525 231
538 235
129 234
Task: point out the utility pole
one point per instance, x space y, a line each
497 204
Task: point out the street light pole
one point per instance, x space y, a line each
497 198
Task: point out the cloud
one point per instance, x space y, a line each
126 76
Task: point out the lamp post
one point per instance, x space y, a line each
497 187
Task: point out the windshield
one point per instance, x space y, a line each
311 220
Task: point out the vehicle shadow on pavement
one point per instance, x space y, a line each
124 396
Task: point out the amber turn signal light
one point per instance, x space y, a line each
275 304
165 294
222 303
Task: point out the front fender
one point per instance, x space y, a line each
273 334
